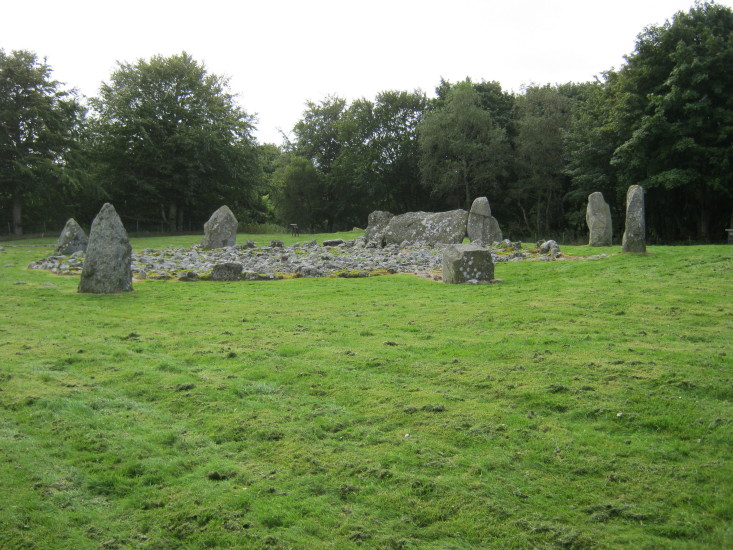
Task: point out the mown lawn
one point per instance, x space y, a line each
577 404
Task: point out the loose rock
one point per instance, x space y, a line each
227 272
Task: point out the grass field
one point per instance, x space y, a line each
577 404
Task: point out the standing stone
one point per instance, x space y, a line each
376 225
467 263
72 239
108 262
482 227
634 232
221 229
598 218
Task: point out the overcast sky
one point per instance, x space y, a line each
280 53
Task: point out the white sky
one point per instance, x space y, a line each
281 53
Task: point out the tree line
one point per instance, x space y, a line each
167 143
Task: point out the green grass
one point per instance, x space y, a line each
578 404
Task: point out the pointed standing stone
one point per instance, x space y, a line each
108 262
598 218
72 239
634 232
221 229
482 227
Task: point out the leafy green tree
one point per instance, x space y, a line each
590 141
172 140
299 194
39 129
674 98
318 139
464 152
381 152
491 97
543 115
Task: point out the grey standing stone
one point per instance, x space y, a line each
72 239
426 228
635 230
482 227
598 218
221 229
108 262
377 223
467 263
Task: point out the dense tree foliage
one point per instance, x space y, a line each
39 132
464 152
676 88
543 116
171 142
665 121
167 143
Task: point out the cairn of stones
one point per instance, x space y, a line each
72 239
467 264
634 239
221 229
107 265
598 218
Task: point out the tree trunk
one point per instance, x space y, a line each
17 214
703 224
172 216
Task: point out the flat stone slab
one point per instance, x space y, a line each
426 228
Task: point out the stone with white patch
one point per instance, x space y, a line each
467 264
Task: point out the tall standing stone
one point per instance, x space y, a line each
108 262
221 229
482 227
634 232
72 239
598 218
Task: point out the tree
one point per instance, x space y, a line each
380 156
171 139
299 194
464 152
39 125
675 91
317 139
543 115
